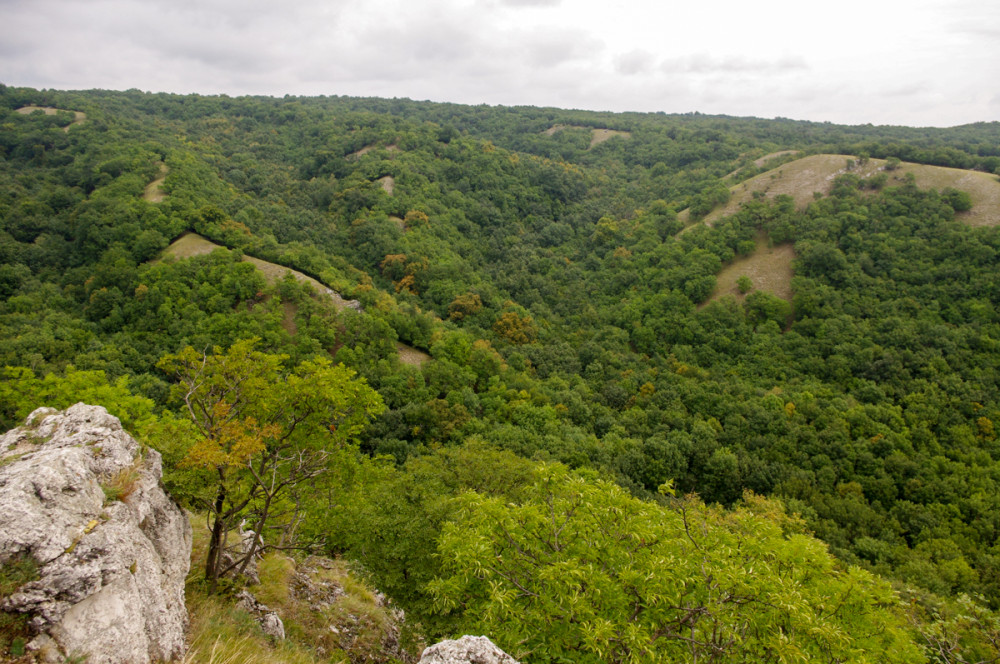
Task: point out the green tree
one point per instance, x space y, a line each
264 432
581 571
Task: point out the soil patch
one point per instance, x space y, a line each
769 270
79 116
154 190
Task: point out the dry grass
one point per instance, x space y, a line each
774 155
803 178
192 244
769 270
410 355
597 136
388 183
154 190
78 116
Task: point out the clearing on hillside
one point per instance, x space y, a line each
597 136
388 183
192 244
774 155
768 268
802 178
154 190
368 148
79 116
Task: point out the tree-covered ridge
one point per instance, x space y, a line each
565 313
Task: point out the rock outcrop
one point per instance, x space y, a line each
83 499
466 650
269 621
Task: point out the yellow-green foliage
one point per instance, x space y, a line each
582 571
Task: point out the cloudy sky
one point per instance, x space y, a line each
912 62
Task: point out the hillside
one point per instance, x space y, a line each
590 370
804 178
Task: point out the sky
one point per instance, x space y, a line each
899 62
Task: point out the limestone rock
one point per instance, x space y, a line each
83 499
466 650
269 621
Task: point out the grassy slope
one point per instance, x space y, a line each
770 268
192 244
801 178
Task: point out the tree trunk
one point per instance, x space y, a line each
214 560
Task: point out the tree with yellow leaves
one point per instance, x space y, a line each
264 432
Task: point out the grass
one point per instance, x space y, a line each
597 136
121 485
192 244
804 177
769 270
14 631
352 628
154 190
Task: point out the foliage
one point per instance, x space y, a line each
264 434
615 579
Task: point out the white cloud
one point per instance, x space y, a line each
894 61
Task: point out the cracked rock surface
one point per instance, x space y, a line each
83 499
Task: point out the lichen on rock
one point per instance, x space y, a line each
80 497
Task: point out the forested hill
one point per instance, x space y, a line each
834 348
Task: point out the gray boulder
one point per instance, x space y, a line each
466 650
83 499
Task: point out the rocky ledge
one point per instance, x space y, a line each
81 503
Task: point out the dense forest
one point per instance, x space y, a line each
597 455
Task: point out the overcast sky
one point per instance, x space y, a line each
910 62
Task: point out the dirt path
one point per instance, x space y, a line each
154 190
79 116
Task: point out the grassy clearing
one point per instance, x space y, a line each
192 244
803 178
154 190
597 136
774 155
388 184
78 116
768 268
